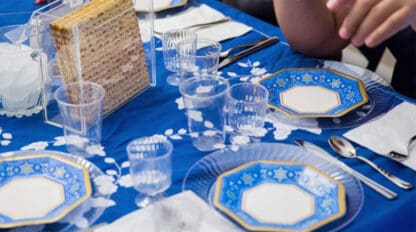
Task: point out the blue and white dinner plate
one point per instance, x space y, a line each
314 92
279 196
381 98
202 177
40 188
158 5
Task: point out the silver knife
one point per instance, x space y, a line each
321 153
263 44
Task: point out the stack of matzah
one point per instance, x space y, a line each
110 49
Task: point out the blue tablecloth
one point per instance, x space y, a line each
156 111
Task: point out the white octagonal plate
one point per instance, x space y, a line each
309 92
279 196
41 188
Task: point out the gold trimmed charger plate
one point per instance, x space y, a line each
314 92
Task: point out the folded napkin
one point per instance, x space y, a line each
391 132
198 15
184 212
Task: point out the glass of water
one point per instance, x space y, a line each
150 167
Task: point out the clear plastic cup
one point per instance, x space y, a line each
205 102
81 108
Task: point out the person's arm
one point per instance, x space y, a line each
310 27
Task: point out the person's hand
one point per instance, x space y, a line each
371 22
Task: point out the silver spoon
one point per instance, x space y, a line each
345 149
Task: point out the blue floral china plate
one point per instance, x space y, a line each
158 5
314 92
40 188
279 196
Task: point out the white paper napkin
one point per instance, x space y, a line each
198 15
391 132
186 208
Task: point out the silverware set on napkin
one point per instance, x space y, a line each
225 59
344 148
228 51
252 47
201 25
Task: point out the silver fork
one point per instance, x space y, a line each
200 25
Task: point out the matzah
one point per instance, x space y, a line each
110 49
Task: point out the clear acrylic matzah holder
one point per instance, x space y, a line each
82 44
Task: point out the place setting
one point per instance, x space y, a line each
247 185
243 186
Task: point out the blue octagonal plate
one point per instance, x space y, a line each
279 196
309 92
40 188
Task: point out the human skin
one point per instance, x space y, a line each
322 28
370 22
310 27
